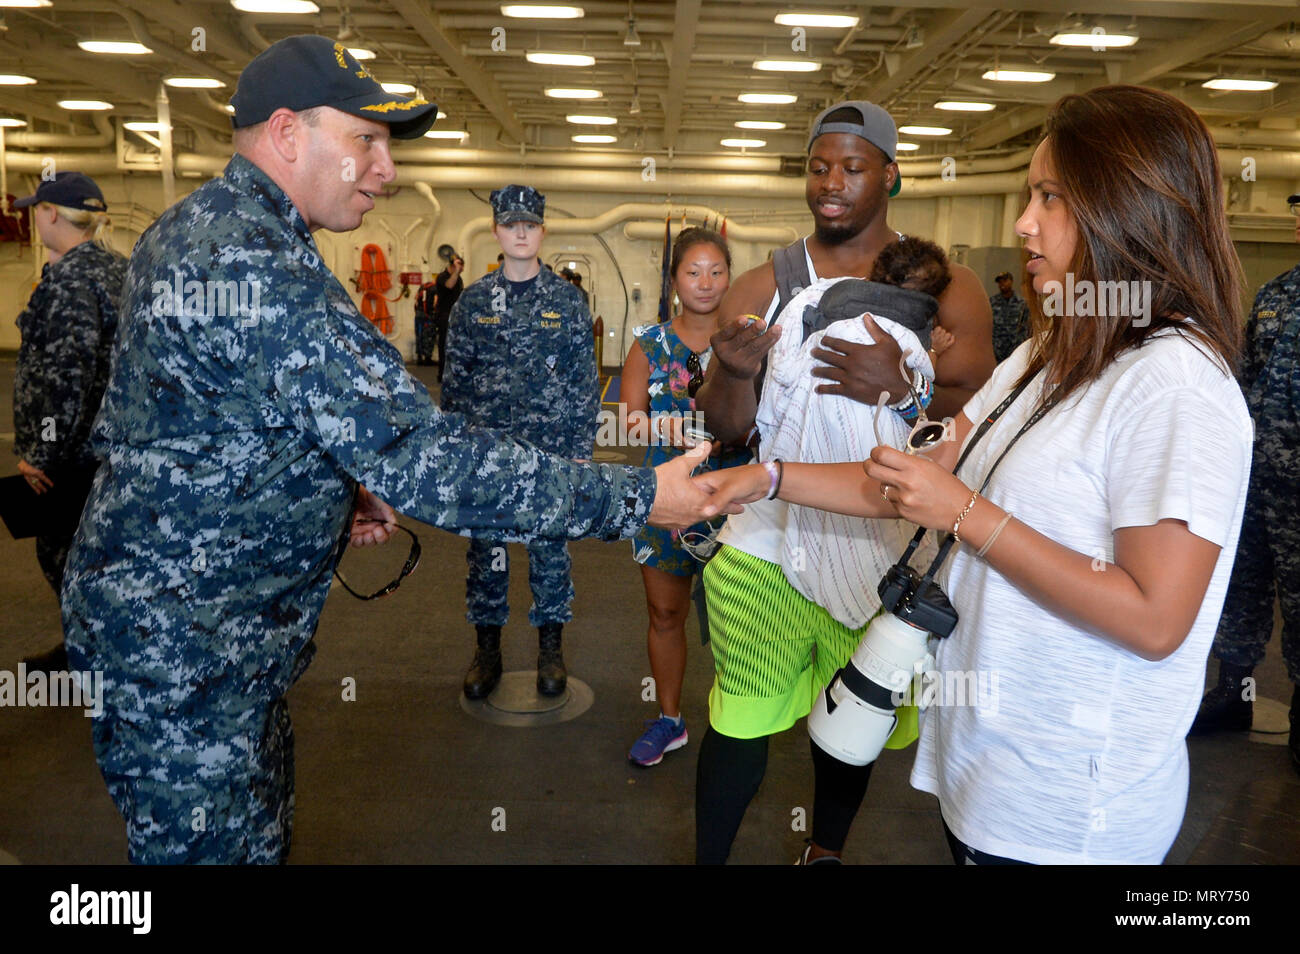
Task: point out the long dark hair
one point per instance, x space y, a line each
1141 180
688 239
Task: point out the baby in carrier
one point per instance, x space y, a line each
834 560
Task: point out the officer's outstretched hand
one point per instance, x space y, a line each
680 501
373 521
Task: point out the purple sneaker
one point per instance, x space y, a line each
662 735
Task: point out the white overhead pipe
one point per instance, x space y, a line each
165 158
736 231
657 211
571 159
33 140
669 182
430 256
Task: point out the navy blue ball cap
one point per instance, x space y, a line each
517 203
72 190
306 71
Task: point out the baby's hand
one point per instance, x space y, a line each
940 341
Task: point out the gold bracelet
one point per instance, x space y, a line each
962 516
993 536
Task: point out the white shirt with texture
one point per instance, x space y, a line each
1077 755
836 561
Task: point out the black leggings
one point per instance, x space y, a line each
964 854
728 775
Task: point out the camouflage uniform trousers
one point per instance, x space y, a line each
1268 561
229 795
425 336
549 578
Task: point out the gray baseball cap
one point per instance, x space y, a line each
876 127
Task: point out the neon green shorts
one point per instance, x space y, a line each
773 650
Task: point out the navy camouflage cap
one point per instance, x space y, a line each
306 71
72 190
517 203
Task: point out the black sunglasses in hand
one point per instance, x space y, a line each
697 374
412 561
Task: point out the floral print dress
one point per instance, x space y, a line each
670 380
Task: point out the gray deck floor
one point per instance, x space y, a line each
403 775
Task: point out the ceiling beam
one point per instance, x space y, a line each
944 31
1141 70
680 47
476 80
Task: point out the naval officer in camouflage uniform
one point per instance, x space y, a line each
1010 318
1268 555
521 358
67 333
248 403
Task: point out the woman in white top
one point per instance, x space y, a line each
1093 565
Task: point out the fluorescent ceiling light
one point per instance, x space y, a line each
591 120
743 143
788 66
559 92
560 59
588 138
400 89
15 79
769 99
1108 41
446 134
143 126
193 82
960 106
925 130
9 123
25 4
759 124
1019 76
907 147
122 47
1240 85
538 11
361 53
828 20
275 6
84 104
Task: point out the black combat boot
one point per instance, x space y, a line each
485 671
1223 709
551 676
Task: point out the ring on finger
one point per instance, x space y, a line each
884 492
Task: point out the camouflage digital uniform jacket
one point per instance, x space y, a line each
67 342
525 364
233 438
1010 324
1268 552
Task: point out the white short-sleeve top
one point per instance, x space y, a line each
1075 749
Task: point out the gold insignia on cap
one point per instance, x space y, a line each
340 52
401 104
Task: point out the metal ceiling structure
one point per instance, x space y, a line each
670 74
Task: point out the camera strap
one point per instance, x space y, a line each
949 539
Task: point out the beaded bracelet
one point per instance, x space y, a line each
925 393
